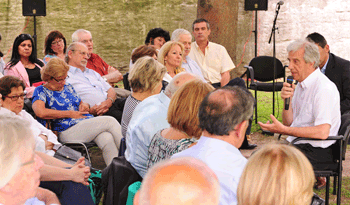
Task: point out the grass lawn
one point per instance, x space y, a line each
264 111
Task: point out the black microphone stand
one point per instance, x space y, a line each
273 34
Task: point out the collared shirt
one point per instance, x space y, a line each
96 63
89 85
315 102
149 116
224 159
214 62
323 69
192 67
36 129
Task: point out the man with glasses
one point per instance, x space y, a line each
89 85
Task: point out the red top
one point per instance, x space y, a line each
96 63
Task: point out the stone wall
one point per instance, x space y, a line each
296 19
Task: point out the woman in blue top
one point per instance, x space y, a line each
55 46
70 116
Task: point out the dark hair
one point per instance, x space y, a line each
157 32
50 38
221 114
141 51
317 38
15 58
199 21
7 83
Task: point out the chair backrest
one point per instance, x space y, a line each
263 68
345 141
126 81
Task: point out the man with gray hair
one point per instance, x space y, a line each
179 181
224 117
314 105
183 36
150 116
95 62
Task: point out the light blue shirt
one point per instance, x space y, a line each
34 201
224 159
323 69
89 85
192 67
149 116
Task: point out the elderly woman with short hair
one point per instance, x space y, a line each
184 122
170 55
145 80
69 116
276 174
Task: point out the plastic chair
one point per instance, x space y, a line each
260 72
339 156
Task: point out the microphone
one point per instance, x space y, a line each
287 101
280 3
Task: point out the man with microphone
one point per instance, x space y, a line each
314 110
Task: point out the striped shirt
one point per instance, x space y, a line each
129 107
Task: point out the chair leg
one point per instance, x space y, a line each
327 190
339 188
256 107
335 185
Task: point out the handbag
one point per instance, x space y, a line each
69 155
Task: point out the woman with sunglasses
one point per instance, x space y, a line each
55 46
24 63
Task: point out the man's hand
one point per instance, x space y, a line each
79 172
287 90
101 108
113 75
275 126
48 145
84 107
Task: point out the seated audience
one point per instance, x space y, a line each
149 116
223 117
89 85
19 165
170 55
12 91
24 64
55 46
183 119
183 36
145 80
183 181
70 116
276 174
141 51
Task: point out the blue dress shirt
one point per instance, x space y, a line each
89 85
224 159
149 116
192 67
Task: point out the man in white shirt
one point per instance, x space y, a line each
315 105
212 58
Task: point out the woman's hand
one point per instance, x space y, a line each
78 114
84 107
80 172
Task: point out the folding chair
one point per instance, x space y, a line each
339 155
260 71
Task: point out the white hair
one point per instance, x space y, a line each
174 83
15 133
311 52
212 191
175 36
75 35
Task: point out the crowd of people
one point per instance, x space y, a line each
183 121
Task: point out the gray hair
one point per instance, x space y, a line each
220 114
210 190
72 47
176 83
311 52
75 35
15 133
175 36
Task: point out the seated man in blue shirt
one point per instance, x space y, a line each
223 117
89 85
150 116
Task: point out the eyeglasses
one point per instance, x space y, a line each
16 97
56 42
82 52
59 81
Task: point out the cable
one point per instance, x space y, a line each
251 31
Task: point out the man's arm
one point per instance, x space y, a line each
225 78
113 75
105 105
47 196
287 92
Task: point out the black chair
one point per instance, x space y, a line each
126 81
260 72
339 150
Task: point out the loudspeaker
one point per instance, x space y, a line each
252 5
34 7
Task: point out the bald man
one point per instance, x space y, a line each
179 181
150 116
